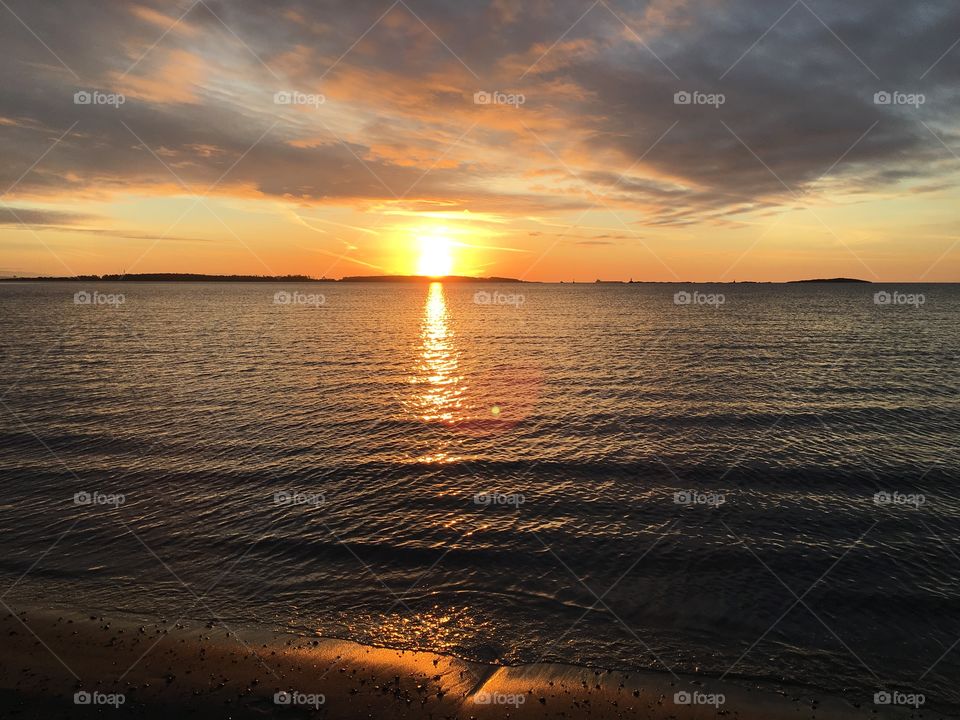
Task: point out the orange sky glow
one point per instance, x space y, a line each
506 139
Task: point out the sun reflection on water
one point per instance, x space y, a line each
440 391
455 397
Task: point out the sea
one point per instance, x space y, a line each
751 483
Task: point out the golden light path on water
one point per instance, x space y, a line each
438 372
451 395
439 399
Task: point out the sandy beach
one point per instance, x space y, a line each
53 663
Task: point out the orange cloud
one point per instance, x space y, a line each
165 22
174 81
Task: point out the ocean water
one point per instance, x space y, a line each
591 474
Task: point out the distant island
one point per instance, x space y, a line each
194 277
832 280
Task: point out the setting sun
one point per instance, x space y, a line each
436 256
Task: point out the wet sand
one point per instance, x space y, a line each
167 670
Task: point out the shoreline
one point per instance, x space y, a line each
205 670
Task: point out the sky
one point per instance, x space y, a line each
658 140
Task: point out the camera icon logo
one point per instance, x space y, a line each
82 698
882 298
682 98
482 297
282 698
82 298
682 298
882 698
82 498
882 98
284 97
682 698
82 97
482 97
282 297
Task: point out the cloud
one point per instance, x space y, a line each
43 219
398 121
32 217
175 79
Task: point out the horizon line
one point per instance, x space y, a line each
295 278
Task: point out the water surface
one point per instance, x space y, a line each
577 414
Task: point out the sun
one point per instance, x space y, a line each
436 256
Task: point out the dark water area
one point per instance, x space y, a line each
762 488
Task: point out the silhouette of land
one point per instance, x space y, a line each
171 277
195 277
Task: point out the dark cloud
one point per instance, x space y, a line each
798 104
38 219
28 216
